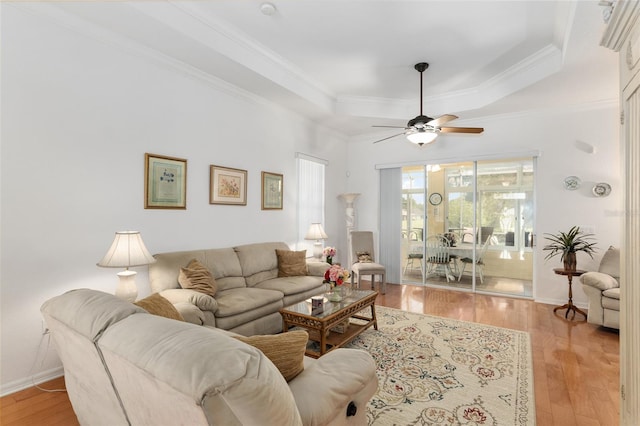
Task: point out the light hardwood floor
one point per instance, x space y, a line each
576 365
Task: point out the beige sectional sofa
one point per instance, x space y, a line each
124 366
249 293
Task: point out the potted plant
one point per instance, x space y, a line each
568 244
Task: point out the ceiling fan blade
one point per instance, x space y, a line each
392 127
442 119
461 129
393 136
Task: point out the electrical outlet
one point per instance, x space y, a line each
45 330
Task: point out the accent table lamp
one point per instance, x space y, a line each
316 232
127 250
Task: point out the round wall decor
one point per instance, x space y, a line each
435 198
572 183
601 189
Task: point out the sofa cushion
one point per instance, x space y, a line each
222 263
197 277
612 293
291 263
259 261
89 312
292 285
158 305
610 263
285 350
241 305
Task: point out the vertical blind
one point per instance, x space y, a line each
391 222
311 186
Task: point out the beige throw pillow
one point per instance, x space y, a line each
286 350
291 263
158 305
364 257
610 263
197 277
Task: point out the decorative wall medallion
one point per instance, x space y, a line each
601 189
572 183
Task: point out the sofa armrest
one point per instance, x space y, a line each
191 313
329 385
317 269
599 280
179 295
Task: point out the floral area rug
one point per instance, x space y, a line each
438 371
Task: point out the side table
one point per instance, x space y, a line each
569 306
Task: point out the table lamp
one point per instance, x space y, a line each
316 233
127 250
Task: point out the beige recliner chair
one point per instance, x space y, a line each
603 290
364 260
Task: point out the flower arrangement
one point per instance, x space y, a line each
329 253
336 275
451 238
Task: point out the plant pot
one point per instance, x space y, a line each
570 261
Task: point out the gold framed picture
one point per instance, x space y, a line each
227 186
165 183
272 191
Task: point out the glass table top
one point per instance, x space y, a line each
329 307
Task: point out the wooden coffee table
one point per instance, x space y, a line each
334 314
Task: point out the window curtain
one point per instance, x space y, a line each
391 222
311 187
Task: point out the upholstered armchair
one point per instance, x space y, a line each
603 290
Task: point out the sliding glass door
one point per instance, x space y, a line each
483 212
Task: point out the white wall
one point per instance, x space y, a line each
78 116
556 135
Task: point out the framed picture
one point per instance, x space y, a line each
271 191
227 186
165 182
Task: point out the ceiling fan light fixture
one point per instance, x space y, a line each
422 137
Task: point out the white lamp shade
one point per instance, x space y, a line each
316 232
422 137
127 250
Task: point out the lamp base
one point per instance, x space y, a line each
317 250
127 289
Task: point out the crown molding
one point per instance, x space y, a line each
623 18
189 20
113 40
530 70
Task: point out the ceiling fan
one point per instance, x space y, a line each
422 129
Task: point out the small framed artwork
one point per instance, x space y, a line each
165 182
227 186
271 191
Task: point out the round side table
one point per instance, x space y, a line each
569 306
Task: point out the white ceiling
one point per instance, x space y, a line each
349 63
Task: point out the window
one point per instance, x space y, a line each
311 173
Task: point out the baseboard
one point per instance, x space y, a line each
28 382
561 302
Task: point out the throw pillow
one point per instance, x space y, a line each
158 305
610 263
364 257
197 277
286 350
291 263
